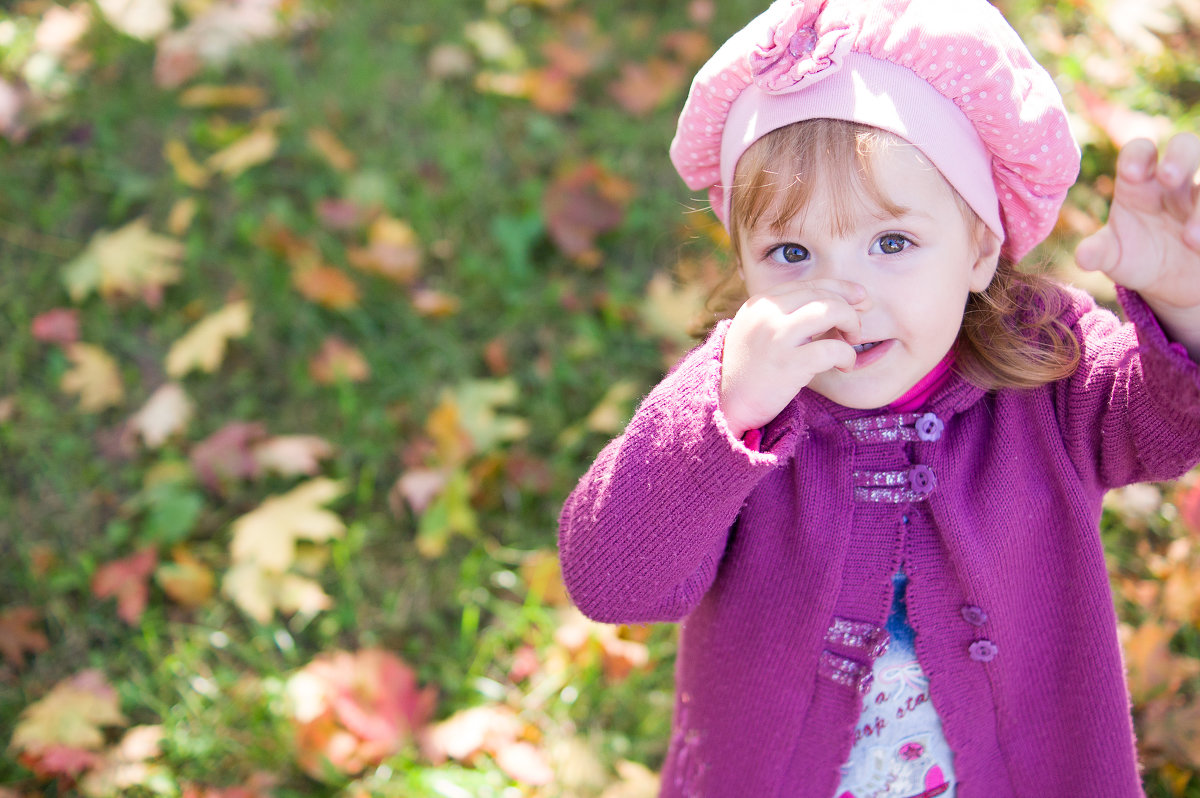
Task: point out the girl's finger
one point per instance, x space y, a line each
826 354
816 319
1177 175
851 292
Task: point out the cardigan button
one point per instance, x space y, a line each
921 480
929 427
983 650
974 615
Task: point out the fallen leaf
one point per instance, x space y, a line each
524 762
125 766
392 251
260 593
128 580
612 412
1187 501
449 514
355 709
469 732
479 404
13 103
542 575
223 97
672 311
637 781
419 487
327 286
338 361
228 454
580 205
253 149
142 19
1152 669
213 36
94 377
131 261
167 412
644 87
292 455
186 581
186 169
690 47
449 61
61 29
551 90
20 636
59 733
203 347
434 304
494 43
341 215
58 326
328 146
267 536
183 211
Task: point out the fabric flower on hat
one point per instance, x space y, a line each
795 53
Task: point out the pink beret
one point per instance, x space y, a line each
950 77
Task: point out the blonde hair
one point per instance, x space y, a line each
1011 336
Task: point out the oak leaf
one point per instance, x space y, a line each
131 261
167 412
19 635
94 377
267 536
203 346
60 733
128 579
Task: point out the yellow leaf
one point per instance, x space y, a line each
181 215
131 261
189 172
259 592
672 311
165 413
253 149
142 19
203 347
95 378
223 97
267 535
331 149
187 580
71 715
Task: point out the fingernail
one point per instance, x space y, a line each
1172 174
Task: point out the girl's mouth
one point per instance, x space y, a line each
860 348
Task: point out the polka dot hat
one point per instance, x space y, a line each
949 76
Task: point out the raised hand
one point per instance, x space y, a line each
783 338
1151 242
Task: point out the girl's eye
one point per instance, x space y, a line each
789 254
891 244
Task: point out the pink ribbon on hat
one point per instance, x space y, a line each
795 53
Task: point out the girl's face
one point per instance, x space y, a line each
917 267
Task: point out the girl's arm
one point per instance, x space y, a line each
1151 243
642 535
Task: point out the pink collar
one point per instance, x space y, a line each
917 395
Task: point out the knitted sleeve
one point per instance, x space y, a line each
1131 412
642 535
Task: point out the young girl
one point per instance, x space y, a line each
872 497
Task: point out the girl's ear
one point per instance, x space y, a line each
986 262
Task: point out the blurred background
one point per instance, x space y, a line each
311 315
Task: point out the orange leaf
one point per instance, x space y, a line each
128 580
434 304
326 286
644 87
187 581
1152 668
18 635
338 361
551 90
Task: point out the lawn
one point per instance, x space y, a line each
312 314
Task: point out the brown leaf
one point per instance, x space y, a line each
690 47
551 90
58 326
228 454
644 87
128 580
19 635
338 361
327 286
582 204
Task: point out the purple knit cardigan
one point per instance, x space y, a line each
779 562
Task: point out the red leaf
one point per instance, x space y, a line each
582 204
129 580
58 326
1187 501
228 454
18 635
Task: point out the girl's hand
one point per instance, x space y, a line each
1151 243
783 338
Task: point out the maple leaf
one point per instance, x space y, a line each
56 733
267 535
228 454
580 205
131 261
203 346
392 251
95 378
259 592
355 709
167 412
672 311
338 361
18 636
292 455
127 579
187 581
419 487
255 148
125 766
58 326
220 29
